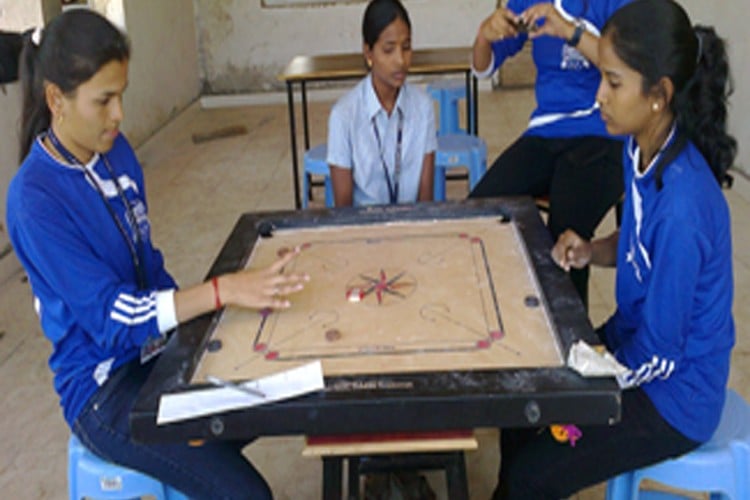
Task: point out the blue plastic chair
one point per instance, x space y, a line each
448 93
459 150
721 466
92 477
315 164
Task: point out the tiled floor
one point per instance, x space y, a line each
196 193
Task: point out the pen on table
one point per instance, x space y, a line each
231 385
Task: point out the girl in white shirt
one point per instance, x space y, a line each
381 134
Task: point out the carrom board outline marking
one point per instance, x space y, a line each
259 345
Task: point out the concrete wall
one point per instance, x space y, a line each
10 104
244 46
19 16
164 75
726 17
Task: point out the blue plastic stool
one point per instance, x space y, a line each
315 164
721 466
448 93
92 477
459 150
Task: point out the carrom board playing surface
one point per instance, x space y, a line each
453 294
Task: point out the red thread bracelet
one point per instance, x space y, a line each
217 298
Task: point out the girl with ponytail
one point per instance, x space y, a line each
78 222
664 85
65 58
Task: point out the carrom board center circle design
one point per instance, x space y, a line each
380 287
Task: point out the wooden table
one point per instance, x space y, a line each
303 69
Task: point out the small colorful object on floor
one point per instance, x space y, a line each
565 433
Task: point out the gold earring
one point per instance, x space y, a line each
369 63
60 119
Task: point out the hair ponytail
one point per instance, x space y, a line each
701 107
70 51
656 39
35 116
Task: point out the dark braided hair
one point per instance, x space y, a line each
656 39
70 51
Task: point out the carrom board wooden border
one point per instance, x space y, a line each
394 402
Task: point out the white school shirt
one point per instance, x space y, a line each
352 142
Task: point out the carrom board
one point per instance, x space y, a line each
401 297
425 317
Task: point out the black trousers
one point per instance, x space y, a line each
582 176
534 465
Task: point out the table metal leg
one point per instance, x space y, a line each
293 137
353 481
306 126
332 478
475 104
469 101
306 134
455 475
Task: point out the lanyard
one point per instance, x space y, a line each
392 186
134 253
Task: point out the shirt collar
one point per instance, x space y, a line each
372 103
634 152
59 161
